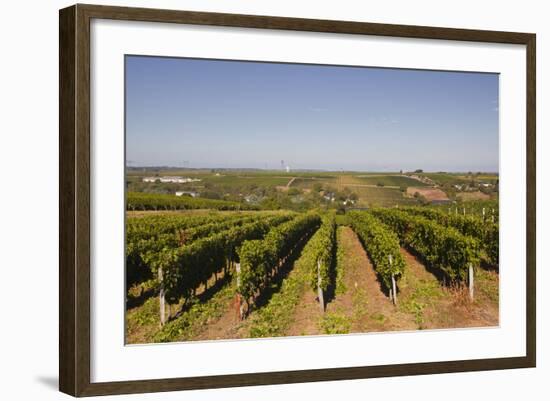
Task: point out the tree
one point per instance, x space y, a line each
270 204
294 191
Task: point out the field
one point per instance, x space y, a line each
303 190
471 196
259 189
207 275
388 180
430 194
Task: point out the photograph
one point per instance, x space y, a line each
275 199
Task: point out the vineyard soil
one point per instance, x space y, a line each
358 301
438 307
363 303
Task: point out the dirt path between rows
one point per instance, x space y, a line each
226 327
229 325
306 316
363 302
436 307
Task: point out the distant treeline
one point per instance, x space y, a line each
148 201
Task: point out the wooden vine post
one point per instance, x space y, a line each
394 287
162 298
393 290
238 300
471 281
319 288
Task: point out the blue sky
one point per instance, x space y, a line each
210 113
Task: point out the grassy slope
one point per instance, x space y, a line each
390 180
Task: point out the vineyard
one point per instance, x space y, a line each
246 273
145 201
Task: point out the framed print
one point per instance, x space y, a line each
250 200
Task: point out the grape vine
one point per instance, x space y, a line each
381 244
442 248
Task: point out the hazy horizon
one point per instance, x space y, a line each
212 114
306 169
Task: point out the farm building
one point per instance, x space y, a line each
329 196
190 193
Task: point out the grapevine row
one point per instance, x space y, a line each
443 248
186 268
474 208
485 232
147 201
140 252
259 258
320 256
382 246
139 228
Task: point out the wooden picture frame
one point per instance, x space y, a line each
74 199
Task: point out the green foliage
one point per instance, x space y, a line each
491 242
487 284
340 265
487 233
321 252
391 179
139 228
273 319
260 257
342 220
149 201
442 248
185 268
335 323
425 293
147 314
473 207
294 191
187 264
148 236
381 244
193 320
194 233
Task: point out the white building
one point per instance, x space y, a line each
329 196
190 193
170 179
